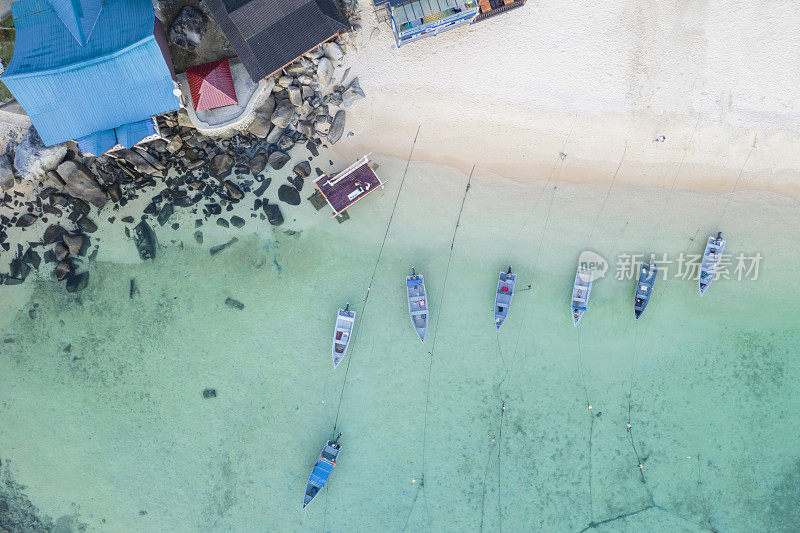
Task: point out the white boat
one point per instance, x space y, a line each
505 293
345 319
711 258
417 303
580 292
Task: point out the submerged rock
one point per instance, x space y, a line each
145 240
288 194
63 269
236 304
274 215
208 393
77 282
74 243
217 249
26 220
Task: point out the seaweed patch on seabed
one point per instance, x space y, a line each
17 513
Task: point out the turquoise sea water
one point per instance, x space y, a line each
102 415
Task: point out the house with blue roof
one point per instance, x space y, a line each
97 71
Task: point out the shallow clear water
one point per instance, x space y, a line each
102 414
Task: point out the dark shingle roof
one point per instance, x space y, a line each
268 34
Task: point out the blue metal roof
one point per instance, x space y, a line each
127 135
72 89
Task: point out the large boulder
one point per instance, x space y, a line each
221 165
352 93
282 115
325 71
278 159
6 173
273 212
288 194
188 28
337 127
262 119
33 159
332 51
80 183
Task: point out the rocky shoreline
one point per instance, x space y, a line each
72 192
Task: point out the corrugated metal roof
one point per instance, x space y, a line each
70 90
211 85
269 34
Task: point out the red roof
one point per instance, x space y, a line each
211 85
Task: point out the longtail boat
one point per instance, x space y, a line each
322 469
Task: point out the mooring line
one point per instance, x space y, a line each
372 277
608 193
433 350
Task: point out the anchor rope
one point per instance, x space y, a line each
372 277
433 351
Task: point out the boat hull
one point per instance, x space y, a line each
581 290
502 300
711 259
342 332
322 470
417 304
644 288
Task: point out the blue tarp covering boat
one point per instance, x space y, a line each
322 469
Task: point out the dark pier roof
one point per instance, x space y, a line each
349 186
267 35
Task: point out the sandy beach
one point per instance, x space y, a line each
550 113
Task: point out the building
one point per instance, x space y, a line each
490 8
412 20
268 35
344 189
92 70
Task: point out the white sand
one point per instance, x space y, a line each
718 80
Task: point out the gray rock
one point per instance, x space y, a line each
288 194
285 81
258 163
221 165
337 127
166 211
332 51
325 71
145 240
174 144
217 249
237 222
262 119
138 161
188 28
286 143
26 220
74 243
303 169
306 128
295 95
53 233
63 269
278 159
80 183
353 93
282 116
275 135
273 212
233 190
77 282
6 173
32 159
307 91
86 225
